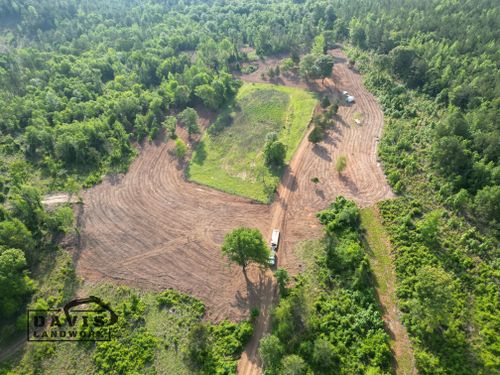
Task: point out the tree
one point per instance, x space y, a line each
406 65
429 227
454 125
60 220
270 351
325 102
169 125
293 365
209 96
324 66
487 204
180 148
270 73
274 151
15 285
315 180
341 164
307 67
197 344
244 246
452 159
340 216
14 234
325 355
433 304
189 118
182 94
402 58
287 65
332 109
316 135
275 154
283 278
357 33
319 45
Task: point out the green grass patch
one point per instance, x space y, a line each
377 245
376 242
230 156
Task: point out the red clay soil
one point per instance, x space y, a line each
152 229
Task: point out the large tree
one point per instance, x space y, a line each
274 151
244 246
307 68
324 66
189 118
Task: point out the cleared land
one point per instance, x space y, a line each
152 229
230 156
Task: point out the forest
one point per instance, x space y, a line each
328 322
82 83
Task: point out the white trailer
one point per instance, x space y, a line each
275 239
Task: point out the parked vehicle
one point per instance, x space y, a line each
275 239
272 258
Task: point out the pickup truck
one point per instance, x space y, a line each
272 258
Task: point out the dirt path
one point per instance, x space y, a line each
249 363
52 200
379 253
13 347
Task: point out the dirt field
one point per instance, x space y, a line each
153 229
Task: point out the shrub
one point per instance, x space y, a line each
180 149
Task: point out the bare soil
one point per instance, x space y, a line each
52 200
152 229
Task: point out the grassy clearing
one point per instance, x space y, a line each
229 156
378 251
377 245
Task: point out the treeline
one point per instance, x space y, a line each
329 322
84 88
27 235
434 68
447 52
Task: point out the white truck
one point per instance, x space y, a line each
275 239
